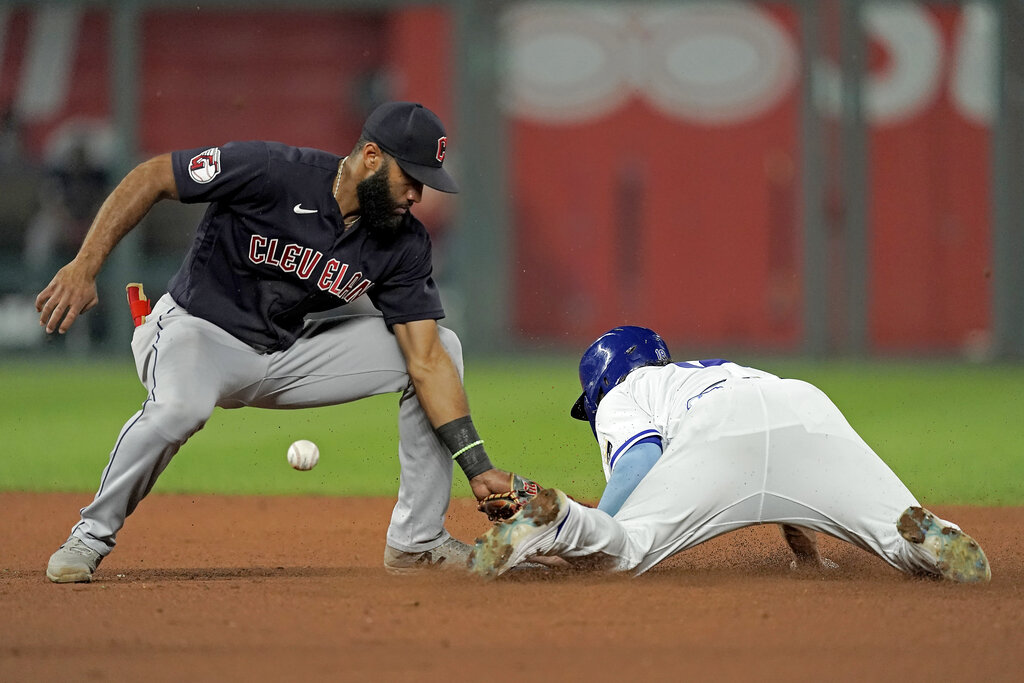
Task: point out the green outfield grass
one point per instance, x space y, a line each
953 432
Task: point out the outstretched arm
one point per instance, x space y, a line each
443 399
632 466
72 291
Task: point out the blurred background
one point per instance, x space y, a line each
826 179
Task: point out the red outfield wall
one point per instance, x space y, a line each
683 211
655 150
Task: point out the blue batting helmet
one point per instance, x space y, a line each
614 355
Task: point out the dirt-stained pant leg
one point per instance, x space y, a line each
823 475
342 360
760 451
186 365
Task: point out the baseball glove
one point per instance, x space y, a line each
500 506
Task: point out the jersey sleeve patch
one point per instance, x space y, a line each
205 166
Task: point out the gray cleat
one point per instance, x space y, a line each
452 554
74 562
958 556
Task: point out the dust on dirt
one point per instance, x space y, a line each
270 589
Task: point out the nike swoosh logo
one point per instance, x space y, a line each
298 209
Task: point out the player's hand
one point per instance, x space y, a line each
514 493
491 481
71 292
551 561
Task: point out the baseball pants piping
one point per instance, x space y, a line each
190 366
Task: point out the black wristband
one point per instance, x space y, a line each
465 445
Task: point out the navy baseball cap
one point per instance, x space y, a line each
415 137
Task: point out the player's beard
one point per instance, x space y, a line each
376 205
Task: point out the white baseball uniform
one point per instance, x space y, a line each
740 447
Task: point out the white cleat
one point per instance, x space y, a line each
529 532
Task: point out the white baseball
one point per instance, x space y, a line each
303 455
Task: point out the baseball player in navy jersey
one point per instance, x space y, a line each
692 450
288 232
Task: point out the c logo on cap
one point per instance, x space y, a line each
442 146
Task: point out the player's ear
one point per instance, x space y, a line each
372 156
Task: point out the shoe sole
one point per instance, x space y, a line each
401 571
492 552
960 557
447 561
69 576
405 571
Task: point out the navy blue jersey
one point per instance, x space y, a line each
272 247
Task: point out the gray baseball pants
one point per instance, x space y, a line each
189 366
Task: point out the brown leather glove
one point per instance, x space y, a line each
500 506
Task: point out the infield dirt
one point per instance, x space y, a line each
218 588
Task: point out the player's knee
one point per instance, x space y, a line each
453 346
180 417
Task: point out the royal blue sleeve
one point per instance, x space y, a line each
631 467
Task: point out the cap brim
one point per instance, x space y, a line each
578 411
431 176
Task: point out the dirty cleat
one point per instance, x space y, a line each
958 556
528 532
74 562
451 554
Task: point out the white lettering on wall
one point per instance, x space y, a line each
722 63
